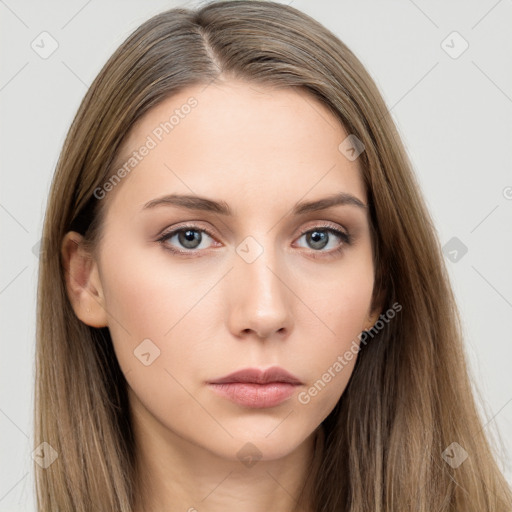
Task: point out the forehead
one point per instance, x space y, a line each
238 141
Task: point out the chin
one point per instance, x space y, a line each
266 444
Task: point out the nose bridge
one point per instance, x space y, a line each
261 299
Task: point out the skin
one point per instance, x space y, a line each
261 151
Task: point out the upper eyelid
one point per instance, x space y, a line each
325 226
197 226
166 234
172 231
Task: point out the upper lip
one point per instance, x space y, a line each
257 376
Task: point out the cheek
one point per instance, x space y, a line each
147 297
341 298
148 290
331 345
159 318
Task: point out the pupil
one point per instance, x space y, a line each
319 239
189 237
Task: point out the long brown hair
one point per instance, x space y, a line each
409 398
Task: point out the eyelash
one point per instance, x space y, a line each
346 237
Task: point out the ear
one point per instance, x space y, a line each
375 310
83 282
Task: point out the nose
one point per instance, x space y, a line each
260 300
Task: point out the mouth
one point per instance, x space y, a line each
257 376
255 388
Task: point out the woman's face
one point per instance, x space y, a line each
256 278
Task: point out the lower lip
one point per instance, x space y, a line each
256 396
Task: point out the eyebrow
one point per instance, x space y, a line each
221 207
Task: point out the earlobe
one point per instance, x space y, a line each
83 282
375 311
371 320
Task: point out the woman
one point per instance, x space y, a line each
245 303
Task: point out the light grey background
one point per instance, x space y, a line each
454 114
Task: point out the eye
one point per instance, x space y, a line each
189 238
320 237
